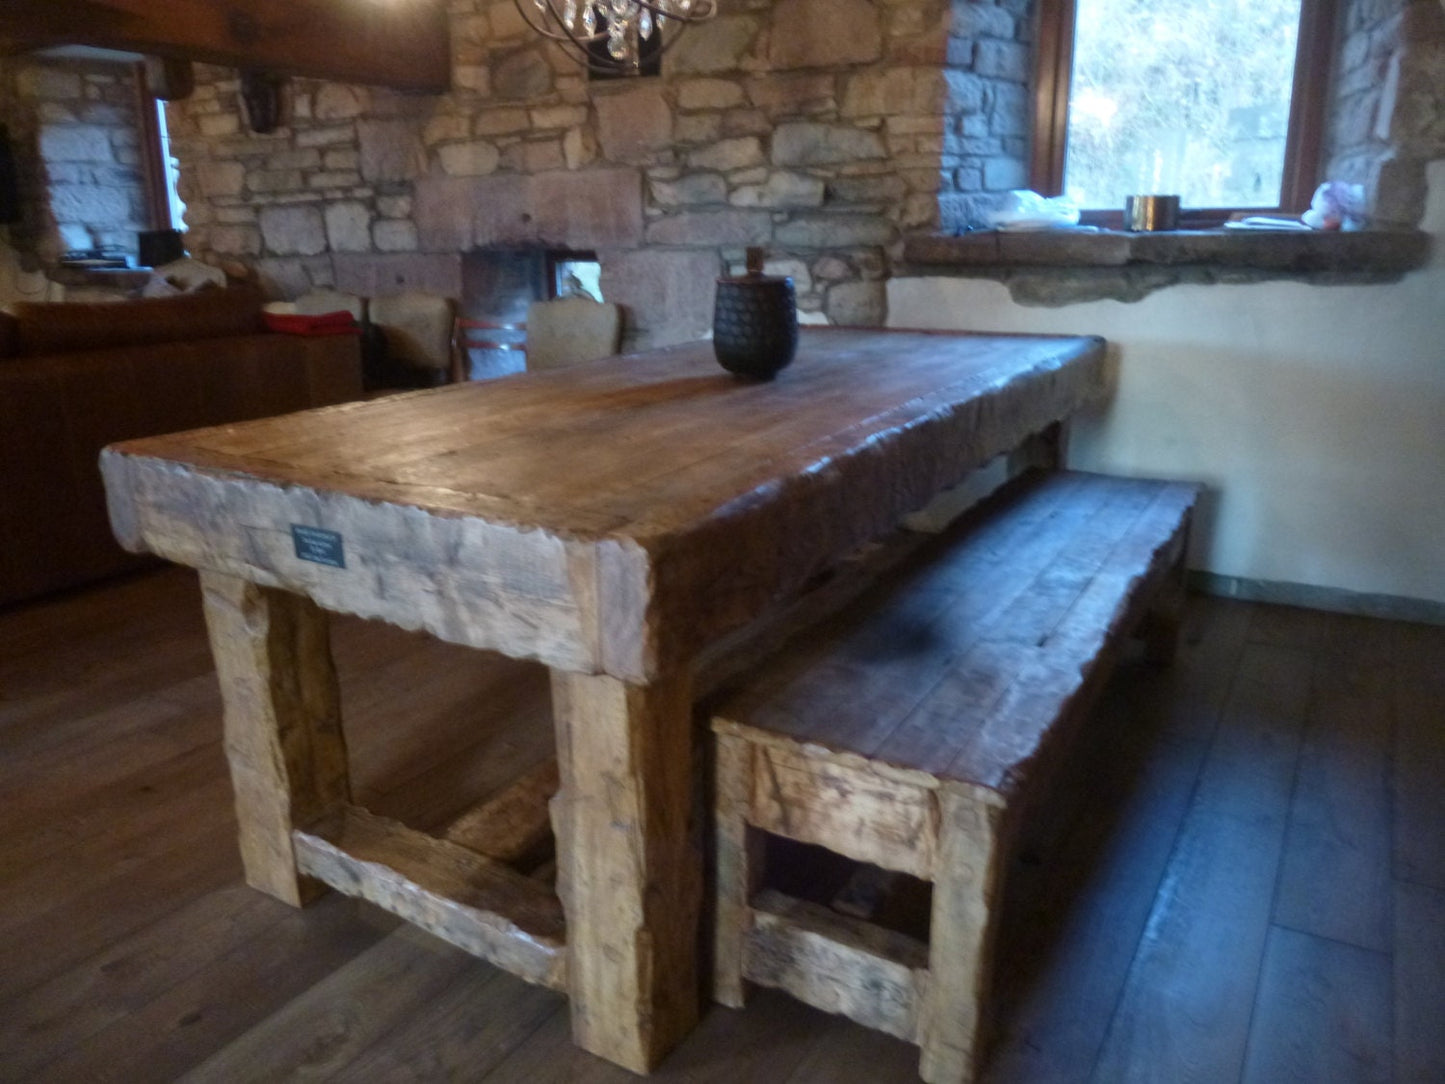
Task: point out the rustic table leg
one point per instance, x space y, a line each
739 867
282 723
969 875
627 870
1045 450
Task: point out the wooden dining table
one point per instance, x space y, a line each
610 520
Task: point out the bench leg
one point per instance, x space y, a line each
969 875
282 723
1160 628
739 867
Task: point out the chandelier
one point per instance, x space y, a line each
612 36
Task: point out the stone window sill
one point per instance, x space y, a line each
1056 267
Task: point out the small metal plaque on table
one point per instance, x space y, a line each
318 545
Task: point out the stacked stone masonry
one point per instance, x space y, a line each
1387 116
988 67
821 129
77 139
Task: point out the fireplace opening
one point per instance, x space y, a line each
499 283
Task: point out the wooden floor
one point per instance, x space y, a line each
1248 885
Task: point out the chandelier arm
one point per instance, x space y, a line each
702 10
543 18
575 45
565 34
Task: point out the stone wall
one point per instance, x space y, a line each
988 68
1387 109
77 146
821 129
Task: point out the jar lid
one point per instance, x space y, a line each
754 275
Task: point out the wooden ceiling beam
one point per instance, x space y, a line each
395 43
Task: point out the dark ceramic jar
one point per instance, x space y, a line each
755 322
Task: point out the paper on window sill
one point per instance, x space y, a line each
1264 222
1044 224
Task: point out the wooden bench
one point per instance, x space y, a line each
911 731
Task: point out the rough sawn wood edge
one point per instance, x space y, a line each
481 906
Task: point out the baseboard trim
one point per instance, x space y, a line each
1311 597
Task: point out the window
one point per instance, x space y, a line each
649 57
171 170
1219 101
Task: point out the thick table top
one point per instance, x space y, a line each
619 491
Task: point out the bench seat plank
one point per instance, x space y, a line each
873 662
1048 675
863 669
1076 649
958 666
993 653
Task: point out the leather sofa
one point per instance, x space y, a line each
75 377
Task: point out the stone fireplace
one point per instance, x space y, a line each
820 129
499 283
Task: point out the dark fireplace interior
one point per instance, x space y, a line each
500 282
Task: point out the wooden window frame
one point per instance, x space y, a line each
152 154
1053 72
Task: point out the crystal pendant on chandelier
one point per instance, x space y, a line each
608 35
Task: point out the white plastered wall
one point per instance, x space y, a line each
1315 414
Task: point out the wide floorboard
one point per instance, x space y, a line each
1241 878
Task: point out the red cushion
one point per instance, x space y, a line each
325 323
